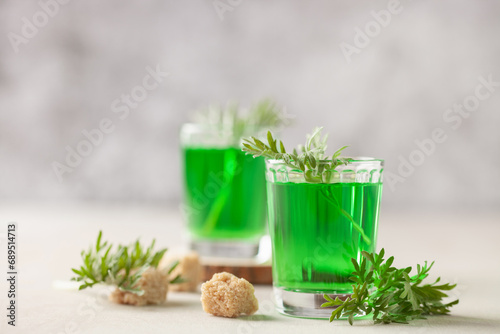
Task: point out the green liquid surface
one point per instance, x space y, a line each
225 194
313 236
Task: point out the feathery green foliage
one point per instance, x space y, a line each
237 122
312 159
390 294
122 267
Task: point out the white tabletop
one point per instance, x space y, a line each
465 246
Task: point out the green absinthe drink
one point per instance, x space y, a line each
224 193
218 180
316 228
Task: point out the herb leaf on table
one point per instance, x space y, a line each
121 267
391 294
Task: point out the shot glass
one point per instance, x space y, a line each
316 228
224 193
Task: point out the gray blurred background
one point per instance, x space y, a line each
394 91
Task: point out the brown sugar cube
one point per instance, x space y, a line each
154 283
189 268
226 295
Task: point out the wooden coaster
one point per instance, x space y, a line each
255 274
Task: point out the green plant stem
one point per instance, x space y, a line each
223 195
355 225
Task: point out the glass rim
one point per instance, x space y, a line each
351 160
358 170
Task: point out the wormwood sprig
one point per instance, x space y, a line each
312 160
390 294
122 267
236 121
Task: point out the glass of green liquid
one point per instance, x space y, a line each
224 193
316 228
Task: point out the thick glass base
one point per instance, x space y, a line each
228 249
303 304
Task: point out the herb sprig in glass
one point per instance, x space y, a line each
237 122
311 160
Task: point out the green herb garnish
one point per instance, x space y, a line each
122 267
390 294
312 160
237 122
